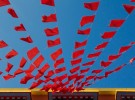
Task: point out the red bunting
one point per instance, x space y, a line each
119 68
79 78
36 84
48 2
132 0
4 3
84 70
71 77
101 46
11 54
89 78
38 61
50 18
93 55
128 8
56 54
86 20
75 62
73 70
8 76
97 71
38 75
62 77
84 32
105 64
18 71
52 43
89 63
51 31
27 39
92 5
3 44
44 68
77 53
32 53
30 69
20 28
59 70
113 57
80 44
26 78
58 62
108 73
9 67
108 35
22 62
99 77
12 12
124 49
49 74
132 43
132 60
116 23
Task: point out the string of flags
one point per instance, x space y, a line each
58 79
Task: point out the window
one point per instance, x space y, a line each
125 96
73 96
15 96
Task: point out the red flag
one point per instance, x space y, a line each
30 69
44 68
18 71
89 78
23 62
79 78
38 75
71 77
8 76
51 31
38 61
108 35
26 78
36 84
27 39
9 67
4 3
99 77
73 70
84 32
77 53
3 44
80 44
93 55
62 77
116 23
128 8
132 60
105 64
52 43
124 49
50 18
58 62
101 46
12 12
132 0
92 5
59 70
89 63
113 57
132 43
97 71
86 20
32 53
75 62
56 54
49 74
20 28
108 73
119 68
11 54
84 70
48 2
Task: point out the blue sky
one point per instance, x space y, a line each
69 13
